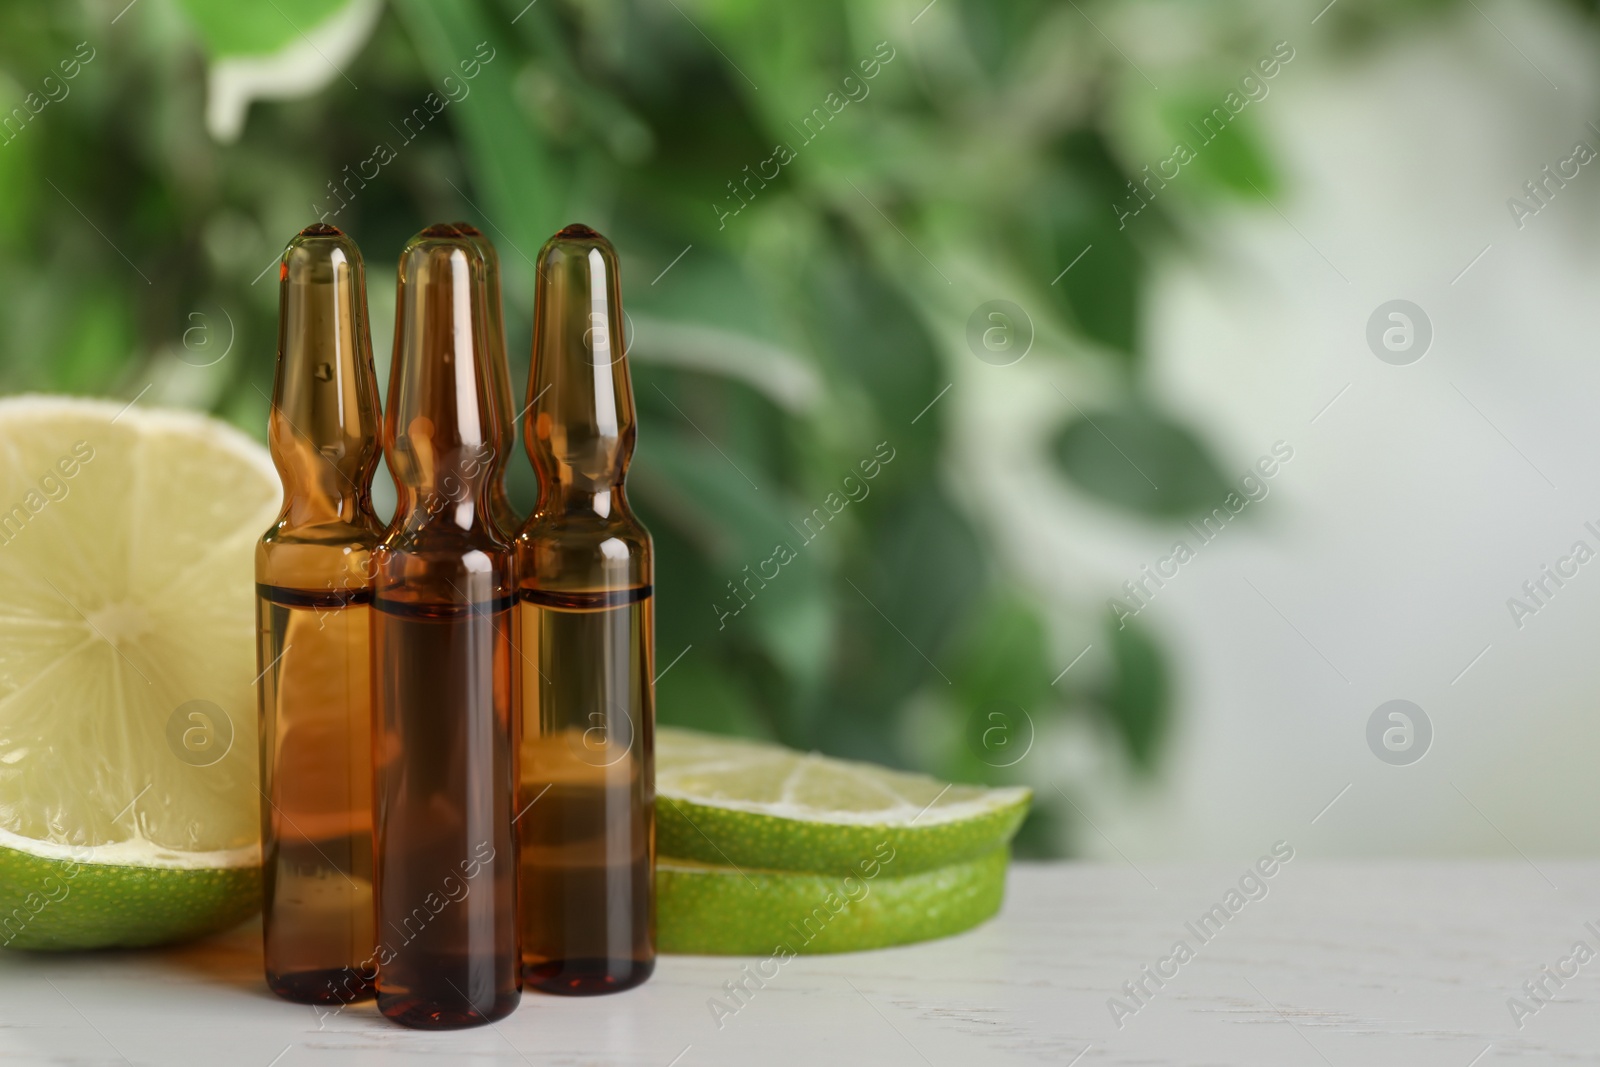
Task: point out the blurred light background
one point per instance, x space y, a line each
905 239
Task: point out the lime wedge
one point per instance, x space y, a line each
748 804
713 911
129 812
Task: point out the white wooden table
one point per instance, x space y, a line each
1360 964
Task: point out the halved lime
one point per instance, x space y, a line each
750 804
712 911
129 813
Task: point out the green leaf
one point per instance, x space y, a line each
1002 678
1228 156
1090 254
19 185
1138 701
1105 297
281 50
99 333
1004 655
1140 460
232 28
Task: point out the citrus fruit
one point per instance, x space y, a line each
751 804
703 909
129 813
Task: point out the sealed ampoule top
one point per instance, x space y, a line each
313 587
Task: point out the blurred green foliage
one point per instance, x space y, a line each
783 325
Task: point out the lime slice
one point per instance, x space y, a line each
734 802
129 813
713 911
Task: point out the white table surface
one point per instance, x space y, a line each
1340 964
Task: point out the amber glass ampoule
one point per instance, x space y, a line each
495 358
584 575
313 588
445 745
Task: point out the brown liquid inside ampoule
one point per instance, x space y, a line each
313 588
586 625
443 672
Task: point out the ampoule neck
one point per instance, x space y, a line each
308 509
608 503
